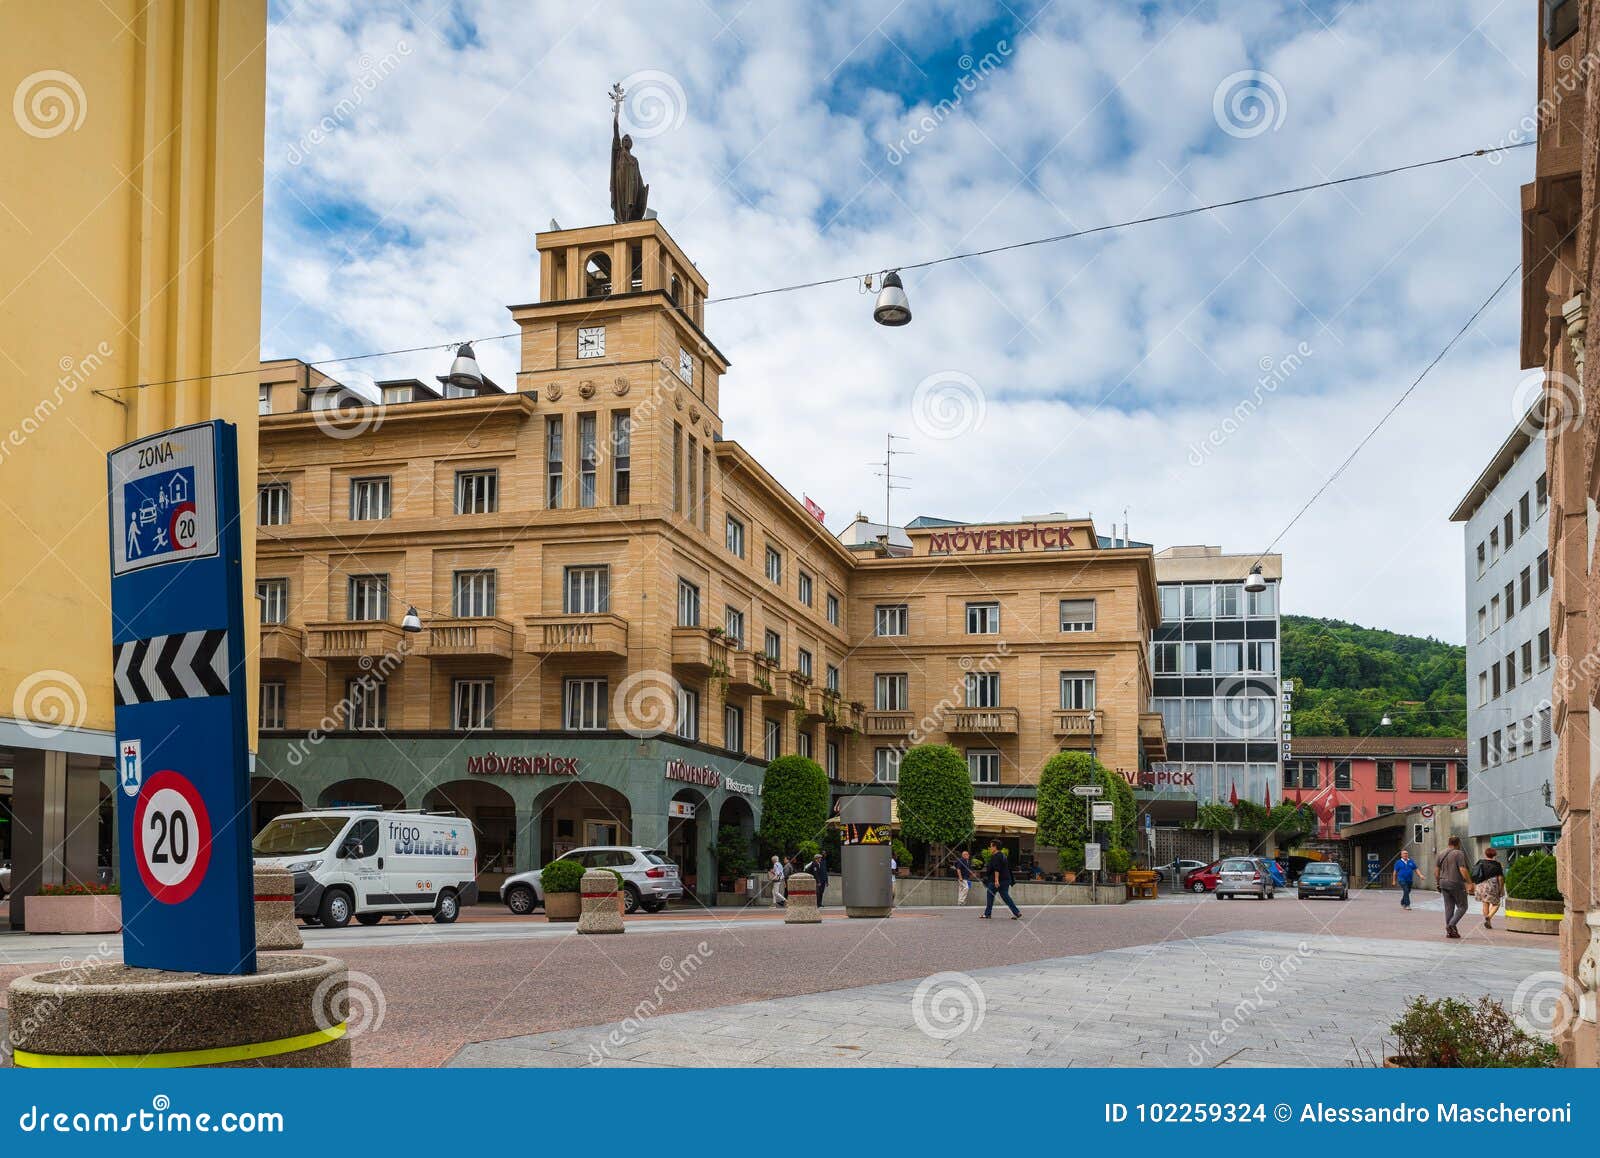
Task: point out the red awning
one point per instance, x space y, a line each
1021 805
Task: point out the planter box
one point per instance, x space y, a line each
562 906
1542 916
92 914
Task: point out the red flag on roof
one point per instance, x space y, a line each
815 511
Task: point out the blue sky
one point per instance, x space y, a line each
414 149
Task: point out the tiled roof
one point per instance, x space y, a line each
1380 746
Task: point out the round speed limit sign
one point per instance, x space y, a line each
173 835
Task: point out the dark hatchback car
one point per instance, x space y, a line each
1322 878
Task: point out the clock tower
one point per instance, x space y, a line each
623 371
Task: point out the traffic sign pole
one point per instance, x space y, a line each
178 646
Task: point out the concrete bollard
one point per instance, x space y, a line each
602 913
802 893
276 927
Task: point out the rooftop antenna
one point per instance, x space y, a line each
891 481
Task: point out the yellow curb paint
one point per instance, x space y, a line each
182 1058
1534 916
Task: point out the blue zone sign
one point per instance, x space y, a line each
178 648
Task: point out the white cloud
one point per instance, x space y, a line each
411 219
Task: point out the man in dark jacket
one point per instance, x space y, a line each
997 875
818 868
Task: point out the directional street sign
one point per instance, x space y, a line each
1087 790
177 636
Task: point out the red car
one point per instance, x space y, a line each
1202 880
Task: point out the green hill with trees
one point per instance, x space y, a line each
1347 676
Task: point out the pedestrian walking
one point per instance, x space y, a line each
997 875
775 874
1490 889
1405 873
964 875
819 870
1454 880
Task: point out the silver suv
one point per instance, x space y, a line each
649 879
1243 876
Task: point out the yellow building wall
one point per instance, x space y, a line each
130 179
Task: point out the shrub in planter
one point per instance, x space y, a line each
80 889
902 856
1118 860
75 908
1454 1034
563 883
1531 892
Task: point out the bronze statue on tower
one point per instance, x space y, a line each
629 193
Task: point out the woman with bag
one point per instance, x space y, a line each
1490 888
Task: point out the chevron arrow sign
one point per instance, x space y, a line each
184 666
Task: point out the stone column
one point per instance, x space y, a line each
529 854
56 829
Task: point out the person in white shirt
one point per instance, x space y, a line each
775 874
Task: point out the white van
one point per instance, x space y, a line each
367 863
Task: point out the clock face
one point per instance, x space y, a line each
591 342
685 365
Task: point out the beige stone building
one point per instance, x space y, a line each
623 615
1559 279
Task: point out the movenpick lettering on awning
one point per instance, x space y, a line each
491 764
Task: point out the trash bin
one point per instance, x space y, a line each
753 885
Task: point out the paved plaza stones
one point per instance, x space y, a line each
1235 999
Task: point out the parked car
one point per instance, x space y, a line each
649 879
1202 880
1324 878
5 878
1177 870
1244 876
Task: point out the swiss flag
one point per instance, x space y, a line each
1233 794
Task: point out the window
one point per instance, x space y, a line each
1480 560
1483 751
802 662
1523 509
774 566
272 504
833 678
1506 537
1262 604
889 693
1385 809
477 492
1225 600
1494 681
688 604
473 594
1527 734
1483 623
264 400
705 488
983 765
472 704
733 625
1077 615
832 757
584 705
274 597
1171 716
1261 655
687 724
983 619
735 537
1197 717
1527 587
803 587
621 458
274 698
1197 602
1385 775
1197 659
886 765
369 598
1341 775
1171 603
692 495
1310 774
1341 815
772 646
1544 571
1077 691
1433 775
1483 688
733 728
1166 658
677 466
1511 670
1544 649
1527 661
1541 495
772 739
588 460
1511 600
890 619
1494 613
1461 776
552 461
367 701
833 609
982 689
369 498
802 744
1544 727
587 591
1291 774
1494 544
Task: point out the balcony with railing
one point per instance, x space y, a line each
467 638
695 649
983 721
1153 736
887 723
1079 723
742 673
281 643
354 639
598 634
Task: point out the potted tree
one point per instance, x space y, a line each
1118 862
732 854
562 881
1071 862
1455 1034
1533 902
